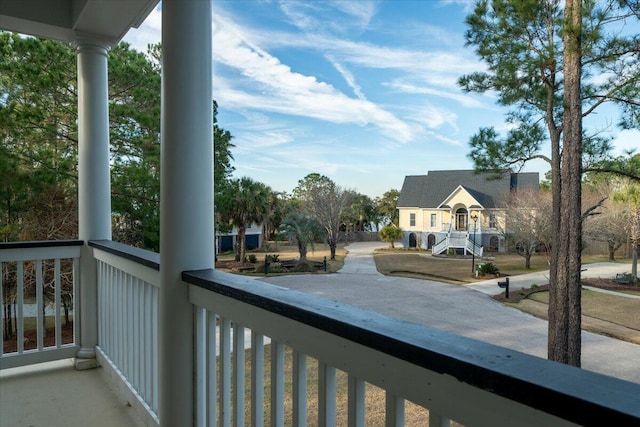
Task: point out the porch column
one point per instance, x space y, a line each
94 188
186 195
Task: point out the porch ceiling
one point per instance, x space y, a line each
106 21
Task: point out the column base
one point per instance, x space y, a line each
85 359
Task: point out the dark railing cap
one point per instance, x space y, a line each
574 394
40 244
141 256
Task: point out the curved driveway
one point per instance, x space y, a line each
457 309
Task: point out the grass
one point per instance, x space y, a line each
420 264
610 308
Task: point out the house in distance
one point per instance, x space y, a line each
458 210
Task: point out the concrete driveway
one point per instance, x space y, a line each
457 309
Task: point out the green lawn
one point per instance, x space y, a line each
421 264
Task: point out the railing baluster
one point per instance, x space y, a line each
146 333
437 420
238 374
40 307
299 389
56 302
277 384
326 395
20 307
356 408
76 300
212 378
257 380
154 347
2 267
225 372
201 366
394 411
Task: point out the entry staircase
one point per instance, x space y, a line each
459 240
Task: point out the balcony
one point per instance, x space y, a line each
165 340
266 355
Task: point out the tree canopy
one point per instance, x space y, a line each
325 201
553 66
38 130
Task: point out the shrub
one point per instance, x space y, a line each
251 258
273 258
303 267
488 268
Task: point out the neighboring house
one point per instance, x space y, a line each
458 209
252 238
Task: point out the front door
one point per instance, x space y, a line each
461 221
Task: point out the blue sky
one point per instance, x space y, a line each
363 92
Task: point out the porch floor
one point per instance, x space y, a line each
56 394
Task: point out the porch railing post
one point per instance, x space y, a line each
186 195
94 188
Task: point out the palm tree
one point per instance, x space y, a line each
243 202
304 229
391 233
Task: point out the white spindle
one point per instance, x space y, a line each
2 311
20 306
56 302
40 306
76 300
238 374
225 372
277 384
212 383
212 379
326 395
201 366
299 389
154 349
147 339
394 411
437 420
257 380
356 407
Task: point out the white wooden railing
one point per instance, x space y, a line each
128 298
474 248
450 377
453 377
37 271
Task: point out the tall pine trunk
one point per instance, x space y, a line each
565 332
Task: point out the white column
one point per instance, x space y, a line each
94 188
186 194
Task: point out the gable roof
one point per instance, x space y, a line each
431 190
445 202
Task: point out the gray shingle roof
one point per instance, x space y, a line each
431 190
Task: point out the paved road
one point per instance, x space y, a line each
458 309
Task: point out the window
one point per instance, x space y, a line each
412 220
433 220
493 221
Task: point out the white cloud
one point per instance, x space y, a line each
348 77
329 16
275 87
461 98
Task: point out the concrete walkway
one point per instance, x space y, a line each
464 310
606 270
